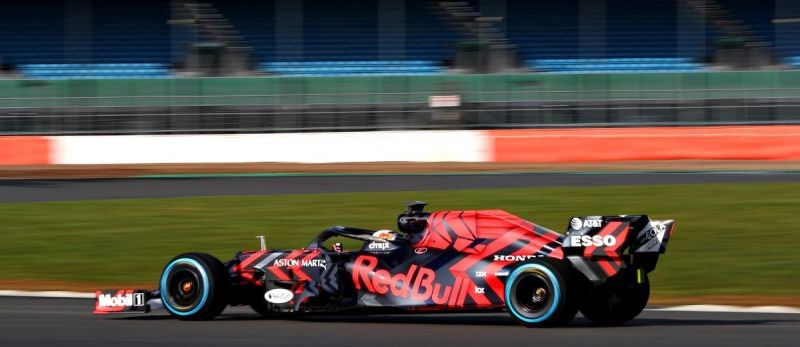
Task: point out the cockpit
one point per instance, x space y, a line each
340 239
373 241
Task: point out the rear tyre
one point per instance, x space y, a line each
193 286
617 301
540 293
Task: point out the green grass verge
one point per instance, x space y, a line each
731 239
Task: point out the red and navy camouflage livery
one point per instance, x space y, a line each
442 261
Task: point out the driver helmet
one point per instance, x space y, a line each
385 234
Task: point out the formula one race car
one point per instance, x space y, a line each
444 261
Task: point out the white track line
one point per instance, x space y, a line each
730 309
47 294
684 308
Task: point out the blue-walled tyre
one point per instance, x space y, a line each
538 293
193 286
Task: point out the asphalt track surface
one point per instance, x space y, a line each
68 322
92 189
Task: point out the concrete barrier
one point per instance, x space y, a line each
25 150
572 145
340 147
641 144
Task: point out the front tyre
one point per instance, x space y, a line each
193 286
538 294
617 301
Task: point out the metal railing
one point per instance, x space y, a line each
271 104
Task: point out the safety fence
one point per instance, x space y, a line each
448 101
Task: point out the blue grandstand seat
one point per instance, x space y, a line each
361 68
342 30
94 71
636 29
124 31
136 32
793 61
611 65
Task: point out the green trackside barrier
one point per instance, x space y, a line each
398 89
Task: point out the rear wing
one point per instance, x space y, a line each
602 246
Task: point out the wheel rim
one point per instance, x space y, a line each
184 287
532 294
552 301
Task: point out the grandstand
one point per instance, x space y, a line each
159 66
107 32
124 39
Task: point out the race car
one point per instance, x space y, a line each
444 261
